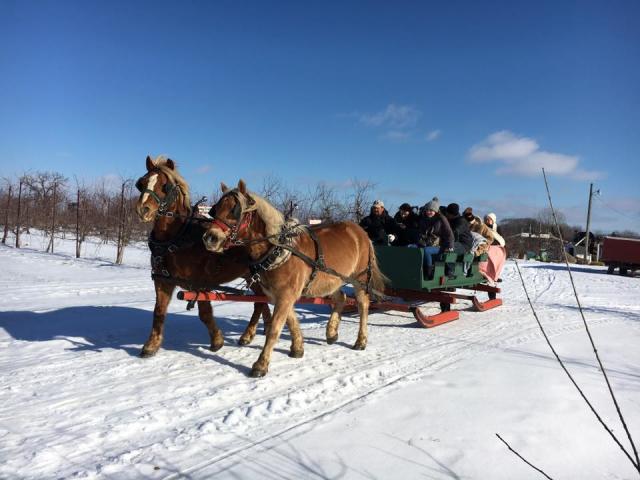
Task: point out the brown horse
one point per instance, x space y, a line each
243 218
178 257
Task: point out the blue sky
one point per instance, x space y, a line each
463 100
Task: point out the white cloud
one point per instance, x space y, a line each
393 116
521 156
433 135
396 136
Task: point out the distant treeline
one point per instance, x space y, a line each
50 202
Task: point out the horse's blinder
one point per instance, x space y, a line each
243 220
171 194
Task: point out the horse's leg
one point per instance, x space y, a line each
266 317
163 297
338 298
362 298
297 341
205 311
280 313
250 332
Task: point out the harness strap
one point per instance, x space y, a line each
352 280
159 249
319 262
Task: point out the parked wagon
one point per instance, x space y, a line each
408 290
621 253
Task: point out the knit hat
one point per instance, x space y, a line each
494 226
453 209
378 203
433 205
406 207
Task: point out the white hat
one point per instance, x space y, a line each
378 203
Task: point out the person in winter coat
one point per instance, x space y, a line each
379 225
490 222
478 227
492 268
435 235
463 240
407 221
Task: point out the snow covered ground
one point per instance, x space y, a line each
77 402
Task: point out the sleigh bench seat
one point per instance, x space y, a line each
403 267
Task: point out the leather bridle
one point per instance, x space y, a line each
164 203
242 222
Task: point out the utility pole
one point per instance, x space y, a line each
586 238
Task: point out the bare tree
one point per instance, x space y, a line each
121 223
324 203
125 218
21 182
80 206
360 199
546 222
271 187
47 192
6 212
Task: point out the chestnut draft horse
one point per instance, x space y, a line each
243 218
178 257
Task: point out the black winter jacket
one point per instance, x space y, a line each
408 229
379 226
435 231
462 232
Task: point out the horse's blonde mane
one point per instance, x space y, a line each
174 176
272 218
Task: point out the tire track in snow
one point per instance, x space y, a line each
164 407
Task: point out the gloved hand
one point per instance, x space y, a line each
391 237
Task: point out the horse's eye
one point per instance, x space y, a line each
139 185
237 211
165 188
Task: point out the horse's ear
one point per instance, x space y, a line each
171 164
251 203
242 187
223 187
150 164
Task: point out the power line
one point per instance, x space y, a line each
635 219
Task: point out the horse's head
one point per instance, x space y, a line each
232 217
159 194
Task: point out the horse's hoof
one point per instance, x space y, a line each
147 353
296 353
243 341
332 340
257 373
215 348
359 346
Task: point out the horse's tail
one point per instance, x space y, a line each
377 280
